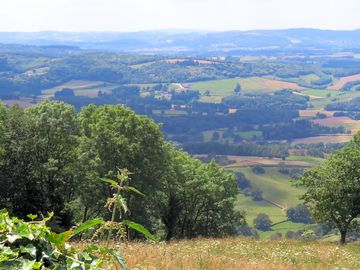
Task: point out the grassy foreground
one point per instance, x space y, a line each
240 253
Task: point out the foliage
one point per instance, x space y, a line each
118 203
198 199
258 169
262 222
333 188
299 213
32 245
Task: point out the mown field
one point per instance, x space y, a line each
82 88
241 253
249 85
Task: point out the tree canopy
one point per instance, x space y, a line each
333 188
52 159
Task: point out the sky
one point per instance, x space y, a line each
214 15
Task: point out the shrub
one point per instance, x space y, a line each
242 181
258 169
256 194
262 222
300 214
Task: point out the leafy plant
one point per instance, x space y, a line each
32 245
117 205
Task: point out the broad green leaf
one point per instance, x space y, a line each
87 225
135 190
110 181
30 249
139 228
119 257
59 240
27 265
12 238
32 217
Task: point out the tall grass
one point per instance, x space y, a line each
240 253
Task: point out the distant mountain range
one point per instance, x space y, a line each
190 42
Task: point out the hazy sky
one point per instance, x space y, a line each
133 15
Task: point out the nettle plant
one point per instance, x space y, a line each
117 205
32 245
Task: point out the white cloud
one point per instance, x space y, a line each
132 15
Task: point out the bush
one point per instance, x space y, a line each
258 169
300 214
242 181
256 194
262 222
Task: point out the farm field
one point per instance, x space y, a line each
22 102
312 113
81 88
343 80
249 85
348 123
246 161
337 138
334 97
241 253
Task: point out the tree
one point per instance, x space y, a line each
256 194
215 136
258 169
198 199
242 181
299 213
115 137
333 188
38 169
237 89
262 222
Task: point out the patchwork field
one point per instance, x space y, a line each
343 80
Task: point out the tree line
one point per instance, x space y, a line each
52 159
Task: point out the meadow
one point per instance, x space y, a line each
240 253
